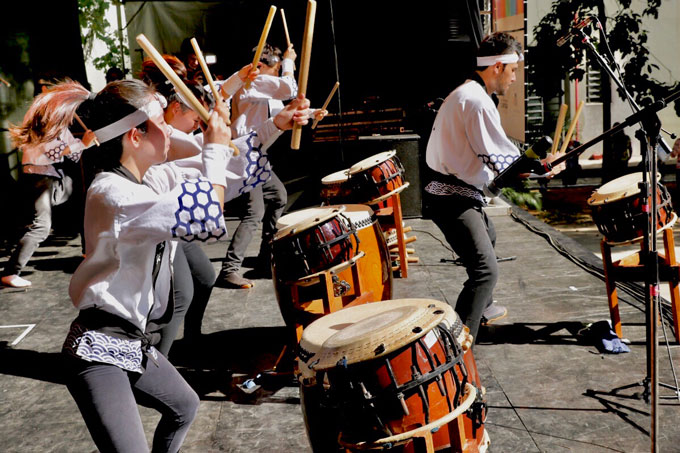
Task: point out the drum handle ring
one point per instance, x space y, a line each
469 394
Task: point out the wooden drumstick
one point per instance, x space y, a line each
9 85
285 27
208 76
328 100
75 115
304 66
263 39
558 128
175 80
572 126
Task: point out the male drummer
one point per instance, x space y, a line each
467 149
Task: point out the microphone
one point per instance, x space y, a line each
527 162
564 39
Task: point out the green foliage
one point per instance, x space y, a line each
530 199
93 26
548 63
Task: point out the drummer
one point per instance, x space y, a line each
467 149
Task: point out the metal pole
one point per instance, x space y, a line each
120 36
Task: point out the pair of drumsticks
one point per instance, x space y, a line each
560 125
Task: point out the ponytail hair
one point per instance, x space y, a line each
49 114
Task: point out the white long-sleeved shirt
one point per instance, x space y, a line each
468 141
243 172
262 100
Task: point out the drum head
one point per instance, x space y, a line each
369 331
336 178
304 219
371 162
617 189
360 215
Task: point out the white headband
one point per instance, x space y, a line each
134 119
505 59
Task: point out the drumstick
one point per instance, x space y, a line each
263 39
285 27
206 71
304 66
572 126
558 128
176 81
75 115
8 84
328 100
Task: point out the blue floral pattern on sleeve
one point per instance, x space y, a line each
199 216
258 168
497 162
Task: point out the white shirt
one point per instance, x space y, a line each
244 172
45 154
468 140
125 221
263 100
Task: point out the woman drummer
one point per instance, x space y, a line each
122 287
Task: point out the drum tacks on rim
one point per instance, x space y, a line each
379 374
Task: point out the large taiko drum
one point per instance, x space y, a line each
336 188
378 374
618 212
294 264
376 178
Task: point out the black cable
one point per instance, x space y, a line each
337 78
134 15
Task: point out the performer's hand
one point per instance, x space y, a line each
88 138
556 169
218 131
222 108
296 112
248 72
319 114
290 53
676 148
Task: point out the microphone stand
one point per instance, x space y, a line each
649 136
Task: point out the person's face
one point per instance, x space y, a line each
192 61
185 120
506 78
155 143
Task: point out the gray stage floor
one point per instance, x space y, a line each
548 387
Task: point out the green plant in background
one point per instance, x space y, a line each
626 35
94 26
523 197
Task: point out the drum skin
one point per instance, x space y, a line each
618 212
374 269
331 408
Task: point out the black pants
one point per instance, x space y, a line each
472 236
265 204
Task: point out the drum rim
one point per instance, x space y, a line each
389 194
305 225
374 160
423 316
327 182
599 197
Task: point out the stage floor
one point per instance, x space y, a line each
548 388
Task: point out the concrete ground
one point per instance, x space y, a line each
549 388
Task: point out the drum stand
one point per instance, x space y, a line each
392 223
631 268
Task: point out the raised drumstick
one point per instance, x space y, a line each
263 39
304 66
558 128
328 100
285 27
206 71
175 80
572 126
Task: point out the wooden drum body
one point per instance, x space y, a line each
376 178
335 188
365 257
618 212
391 371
